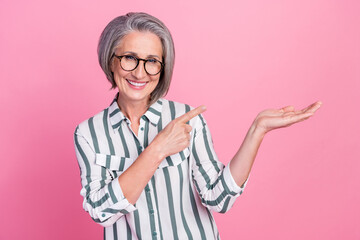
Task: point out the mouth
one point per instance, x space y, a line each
136 85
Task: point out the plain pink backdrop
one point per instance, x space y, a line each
238 58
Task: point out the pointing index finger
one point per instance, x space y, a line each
191 114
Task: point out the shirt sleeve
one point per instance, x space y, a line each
103 197
214 183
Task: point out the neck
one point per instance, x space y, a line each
133 110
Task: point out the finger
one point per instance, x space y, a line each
294 118
312 108
287 109
191 114
188 128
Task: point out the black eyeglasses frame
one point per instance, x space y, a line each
138 61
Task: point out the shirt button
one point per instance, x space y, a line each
147 189
151 211
154 233
142 129
103 215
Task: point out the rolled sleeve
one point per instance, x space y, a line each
103 196
120 204
230 181
213 181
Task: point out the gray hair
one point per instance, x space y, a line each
143 22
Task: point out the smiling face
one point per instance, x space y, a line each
136 86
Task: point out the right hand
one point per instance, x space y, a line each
175 137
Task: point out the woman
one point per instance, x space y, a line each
148 167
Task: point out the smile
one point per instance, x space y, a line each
136 84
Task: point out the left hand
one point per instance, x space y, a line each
270 119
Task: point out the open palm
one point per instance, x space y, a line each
270 119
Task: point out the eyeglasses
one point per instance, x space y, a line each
129 63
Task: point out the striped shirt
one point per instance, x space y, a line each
177 201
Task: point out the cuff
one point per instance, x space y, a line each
120 203
230 182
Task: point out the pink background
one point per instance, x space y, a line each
238 58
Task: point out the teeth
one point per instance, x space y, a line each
136 84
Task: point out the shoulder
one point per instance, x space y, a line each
173 108
176 109
85 127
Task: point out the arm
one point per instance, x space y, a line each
266 121
212 180
103 197
107 199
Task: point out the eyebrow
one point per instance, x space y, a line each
148 56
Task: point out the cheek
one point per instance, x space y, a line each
120 74
156 82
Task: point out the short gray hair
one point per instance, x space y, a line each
143 22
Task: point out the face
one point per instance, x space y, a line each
136 85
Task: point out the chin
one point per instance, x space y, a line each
136 97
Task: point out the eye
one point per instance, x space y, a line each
152 60
130 57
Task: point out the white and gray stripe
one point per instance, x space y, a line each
178 200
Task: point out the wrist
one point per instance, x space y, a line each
155 152
257 131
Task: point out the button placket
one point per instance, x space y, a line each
151 210
140 148
141 135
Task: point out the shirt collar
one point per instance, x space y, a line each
116 116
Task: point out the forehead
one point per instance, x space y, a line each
141 43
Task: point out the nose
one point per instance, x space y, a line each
140 72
